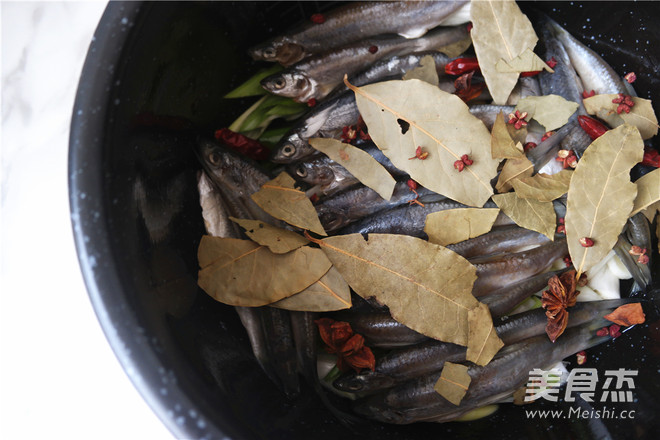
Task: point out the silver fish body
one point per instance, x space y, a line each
487 113
594 72
380 329
406 220
317 76
497 241
359 202
514 267
416 400
353 22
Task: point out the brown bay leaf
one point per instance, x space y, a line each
551 111
627 315
404 115
359 163
453 383
283 201
648 192
278 240
455 225
244 273
427 287
543 187
501 143
329 293
500 32
527 61
483 341
424 72
513 169
528 213
600 195
641 114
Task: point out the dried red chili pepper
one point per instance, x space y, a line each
349 346
651 157
242 144
464 88
317 18
625 103
459 66
592 127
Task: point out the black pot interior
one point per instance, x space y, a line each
153 82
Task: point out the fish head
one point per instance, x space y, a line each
291 149
312 172
278 50
331 219
364 381
230 172
291 84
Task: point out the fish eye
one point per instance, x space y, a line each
270 52
301 171
288 150
214 158
280 83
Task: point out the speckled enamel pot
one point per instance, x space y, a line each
153 80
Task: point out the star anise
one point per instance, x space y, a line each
562 295
349 346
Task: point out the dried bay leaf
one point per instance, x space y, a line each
455 49
426 287
278 240
329 293
455 225
513 169
453 383
648 192
527 61
283 201
528 213
424 72
404 115
244 273
641 114
483 341
551 111
359 163
543 187
500 32
501 143
600 195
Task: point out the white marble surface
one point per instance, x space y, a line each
58 375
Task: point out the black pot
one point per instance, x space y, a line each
153 80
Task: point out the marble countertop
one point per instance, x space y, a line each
58 374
